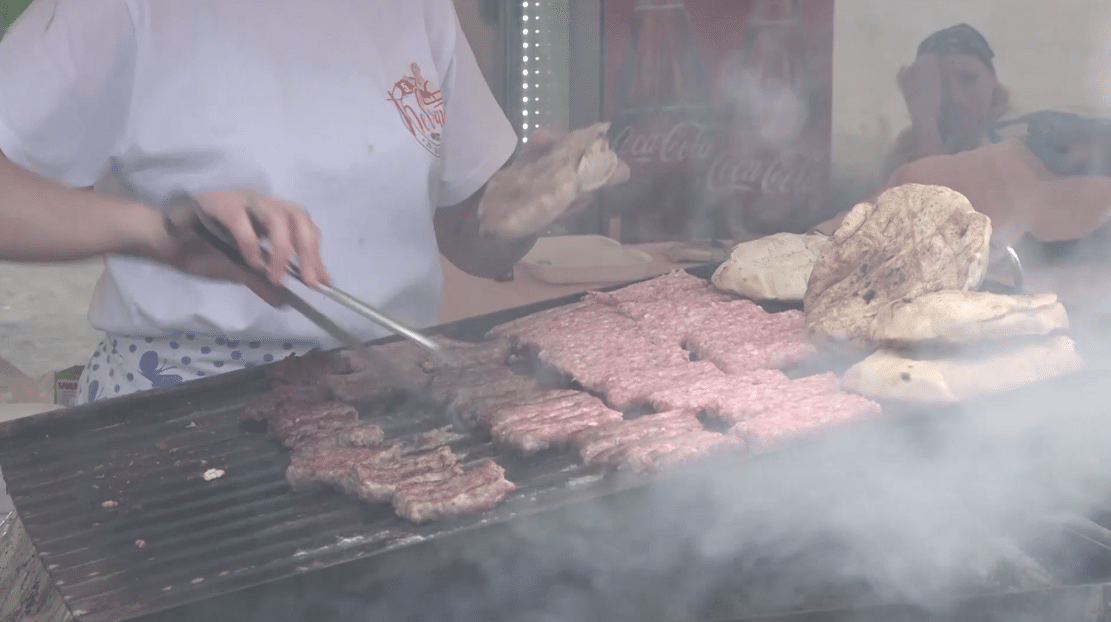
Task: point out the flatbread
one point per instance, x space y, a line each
913 240
956 317
890 375
776 267
525 198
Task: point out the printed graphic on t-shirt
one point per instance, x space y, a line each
421 106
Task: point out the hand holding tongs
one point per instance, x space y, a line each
185 216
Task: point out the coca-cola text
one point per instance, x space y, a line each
783 173
650 144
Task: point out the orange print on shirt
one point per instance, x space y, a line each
421 106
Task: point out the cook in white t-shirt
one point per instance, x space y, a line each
371 115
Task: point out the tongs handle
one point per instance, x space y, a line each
215 233
184 216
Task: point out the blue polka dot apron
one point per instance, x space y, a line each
123 365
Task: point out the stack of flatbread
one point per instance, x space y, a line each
951 346
773 268
897 282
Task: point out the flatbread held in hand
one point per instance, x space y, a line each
525 198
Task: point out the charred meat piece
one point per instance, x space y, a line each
271 403
298 423
503 386
464 354
449 382
489 410
352 434
549 429
798 415
616 455
309 368
543 403
475 490
375 383
654 454
335 466
594 442
433 439
377 482
395 368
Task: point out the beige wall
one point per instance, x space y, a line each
1049 53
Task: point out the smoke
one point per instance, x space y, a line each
781 107
914 509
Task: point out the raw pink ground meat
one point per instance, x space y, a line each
627 388
797 417
569 320
745 402
676 283
590 362
671 320
709 394
513 328
775 341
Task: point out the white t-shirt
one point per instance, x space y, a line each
370 113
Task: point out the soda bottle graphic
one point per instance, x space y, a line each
772 173
662 102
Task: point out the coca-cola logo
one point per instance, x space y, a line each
659 143
783 173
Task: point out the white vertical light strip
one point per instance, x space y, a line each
528 38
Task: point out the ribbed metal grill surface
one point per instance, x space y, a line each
173 538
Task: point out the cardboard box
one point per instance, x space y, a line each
65 385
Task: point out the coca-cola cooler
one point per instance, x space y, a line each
722 110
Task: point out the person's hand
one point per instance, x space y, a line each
541 142
921 86
286 225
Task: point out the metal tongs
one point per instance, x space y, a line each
185 216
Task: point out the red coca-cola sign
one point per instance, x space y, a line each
722 110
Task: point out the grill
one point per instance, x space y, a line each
115 500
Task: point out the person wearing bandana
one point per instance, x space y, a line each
952 95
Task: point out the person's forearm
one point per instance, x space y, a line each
41 221
457 230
